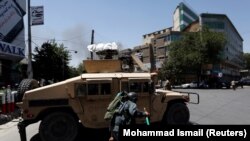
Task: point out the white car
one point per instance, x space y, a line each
190 85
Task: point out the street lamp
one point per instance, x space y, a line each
73 51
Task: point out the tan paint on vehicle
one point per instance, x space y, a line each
90 108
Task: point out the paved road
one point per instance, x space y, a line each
217 107
221 106
9 132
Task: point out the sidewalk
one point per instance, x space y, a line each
9 124
8 127
5 118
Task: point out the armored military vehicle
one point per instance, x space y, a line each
62 106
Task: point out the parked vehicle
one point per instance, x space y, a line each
193 84
203 85
243 81
223 84
84 99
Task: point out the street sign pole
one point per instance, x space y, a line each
29 70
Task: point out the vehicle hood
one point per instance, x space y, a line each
63 89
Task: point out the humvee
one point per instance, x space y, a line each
84 99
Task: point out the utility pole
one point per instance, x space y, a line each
92 42
29 70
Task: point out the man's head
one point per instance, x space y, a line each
132 96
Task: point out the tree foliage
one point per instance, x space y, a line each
51 61
246 57
80 68
192 51
213 44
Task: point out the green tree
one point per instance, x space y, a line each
246 57
80 68
75 71
51 61
194 49
213 45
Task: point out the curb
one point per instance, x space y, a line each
9 124
5 118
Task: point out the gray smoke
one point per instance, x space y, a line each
77 38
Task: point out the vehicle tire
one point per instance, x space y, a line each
58 126
177 113
26 84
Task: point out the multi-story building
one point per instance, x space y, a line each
183 16
159 41
232 55
185 20
150 39
12 41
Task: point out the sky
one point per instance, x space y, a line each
123 21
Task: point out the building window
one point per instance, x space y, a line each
167 38
174 37
215 25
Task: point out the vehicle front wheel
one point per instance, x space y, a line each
177 113
58 126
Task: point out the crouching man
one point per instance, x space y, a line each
126 117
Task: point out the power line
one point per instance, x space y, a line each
57 40
73 38
73 42
35 43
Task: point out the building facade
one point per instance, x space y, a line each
12 40
232 55
159 41
183 16
185 20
